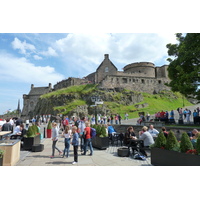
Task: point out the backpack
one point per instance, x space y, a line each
92 132
139 156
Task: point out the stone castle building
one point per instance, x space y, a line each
30 100
140 76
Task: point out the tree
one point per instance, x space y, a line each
160 141
172 143
185 144
184 68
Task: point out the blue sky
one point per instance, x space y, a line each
43 58
35 47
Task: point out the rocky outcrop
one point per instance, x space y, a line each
47 106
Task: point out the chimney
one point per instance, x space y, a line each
32 86
106 56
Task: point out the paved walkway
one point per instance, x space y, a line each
106 157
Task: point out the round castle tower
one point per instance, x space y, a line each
143 69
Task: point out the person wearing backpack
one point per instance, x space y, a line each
88 139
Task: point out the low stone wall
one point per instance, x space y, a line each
177 130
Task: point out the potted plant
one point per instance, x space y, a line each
32 137
186 143
101 141
1 157
49 129
174 153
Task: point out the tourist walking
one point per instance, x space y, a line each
88 140
75 143
67 134
55 134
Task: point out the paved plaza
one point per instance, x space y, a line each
106 157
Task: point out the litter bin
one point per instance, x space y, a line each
49 132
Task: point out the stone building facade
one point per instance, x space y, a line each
140 76
30 100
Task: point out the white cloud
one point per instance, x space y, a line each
49 52
15 69
36 57
87 50
22 46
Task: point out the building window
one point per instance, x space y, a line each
159 82
124 80
106 69
142 81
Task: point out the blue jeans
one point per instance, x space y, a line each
88 142
67 146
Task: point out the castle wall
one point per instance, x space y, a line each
30 100
69 82
141 69
162 71
142 84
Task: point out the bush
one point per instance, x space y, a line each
1 153
32 131
160 141
172 142
198 146
185 144
100 130
103 131
49 125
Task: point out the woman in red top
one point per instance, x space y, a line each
88 140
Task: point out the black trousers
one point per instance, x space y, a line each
76 153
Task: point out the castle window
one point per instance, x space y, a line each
129 80
124 80
111 80
142 81
133 80
159 81
106 69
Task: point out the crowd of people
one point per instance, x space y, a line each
77 132
186 115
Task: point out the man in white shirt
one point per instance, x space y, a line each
153 131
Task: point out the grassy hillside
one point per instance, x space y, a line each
80 89
153 103
166 101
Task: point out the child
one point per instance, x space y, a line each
55 135
75 143
67 135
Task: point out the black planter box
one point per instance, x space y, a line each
100 142
30 141
38 147
1 161
163 157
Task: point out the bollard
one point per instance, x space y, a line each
44 132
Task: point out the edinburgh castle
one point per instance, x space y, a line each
140 76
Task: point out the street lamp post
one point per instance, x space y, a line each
97 100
